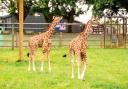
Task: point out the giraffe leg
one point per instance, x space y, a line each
84 61
49 64
42 63
33 61
83 71
72 63
78 65
30 62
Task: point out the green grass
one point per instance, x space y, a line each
107 69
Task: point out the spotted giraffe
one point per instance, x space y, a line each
44 41
78 47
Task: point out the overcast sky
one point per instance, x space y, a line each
85 17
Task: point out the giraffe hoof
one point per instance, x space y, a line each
82 79
79 77
29 69
34 69
41 70
72 77
49 69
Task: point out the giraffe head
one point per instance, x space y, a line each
88 27
95 20
55 21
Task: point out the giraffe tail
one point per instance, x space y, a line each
65 55
28 54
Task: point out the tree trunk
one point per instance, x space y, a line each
70 20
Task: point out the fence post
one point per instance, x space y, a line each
125 32
13 33
111 33
17 38
60 39
117 33
104 31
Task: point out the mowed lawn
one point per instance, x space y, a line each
107 69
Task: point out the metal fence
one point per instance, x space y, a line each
116 32
107 35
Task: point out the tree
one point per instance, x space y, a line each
66 8
113 6
12 6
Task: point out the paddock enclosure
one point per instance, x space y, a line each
112 33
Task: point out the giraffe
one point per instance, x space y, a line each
44 41
77 47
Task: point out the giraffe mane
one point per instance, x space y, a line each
56 20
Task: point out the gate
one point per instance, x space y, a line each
115 32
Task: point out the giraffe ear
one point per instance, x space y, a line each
53 17
58 17
93 18
61 17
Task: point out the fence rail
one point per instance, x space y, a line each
101 36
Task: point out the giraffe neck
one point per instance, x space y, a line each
86 32
51 29
52 26
88 28
84 36
50 32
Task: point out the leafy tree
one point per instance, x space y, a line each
113 6
12 6
66 8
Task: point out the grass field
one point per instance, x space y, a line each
107 69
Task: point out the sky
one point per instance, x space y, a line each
85 17
3 13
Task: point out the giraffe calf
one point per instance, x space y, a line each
42 40
78 47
